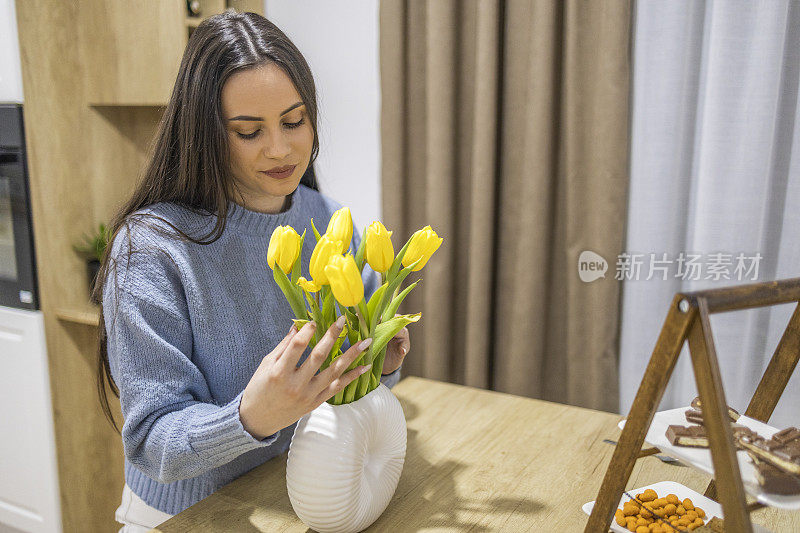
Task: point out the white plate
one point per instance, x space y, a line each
663 488
700 458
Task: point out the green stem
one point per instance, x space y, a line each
339 398
361 313
364 380
350 391
377 365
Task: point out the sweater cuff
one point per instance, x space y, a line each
391 379
393 372
219 436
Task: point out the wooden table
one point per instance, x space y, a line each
476 461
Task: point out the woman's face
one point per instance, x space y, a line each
268 129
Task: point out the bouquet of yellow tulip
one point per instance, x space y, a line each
336 283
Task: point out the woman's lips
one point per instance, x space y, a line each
280 175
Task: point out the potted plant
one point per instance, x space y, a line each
92 249
346 456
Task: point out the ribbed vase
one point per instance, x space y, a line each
345 461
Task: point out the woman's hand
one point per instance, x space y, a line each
280 392
396 351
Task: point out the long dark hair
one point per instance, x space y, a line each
189 162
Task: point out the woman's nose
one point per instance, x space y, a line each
277 147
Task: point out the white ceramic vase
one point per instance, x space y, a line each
345 461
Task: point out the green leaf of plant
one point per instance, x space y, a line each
296 266
394 282
328 310
291 294
392 308
375 298
315 316
360 252
388 329
398 259
336 351
316 233
362 307
300 322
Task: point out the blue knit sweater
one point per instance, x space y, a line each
187 326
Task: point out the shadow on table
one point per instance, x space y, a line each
430 496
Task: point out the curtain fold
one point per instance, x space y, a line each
505 127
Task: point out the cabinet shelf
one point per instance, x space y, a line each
88 317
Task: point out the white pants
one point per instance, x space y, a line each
135 515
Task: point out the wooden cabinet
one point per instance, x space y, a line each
96 75
135 47
133 52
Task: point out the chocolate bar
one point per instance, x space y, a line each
773 479
782 450
696 436
740 431
693 416
690 436
733 414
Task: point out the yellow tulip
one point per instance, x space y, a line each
326 247
421 246
345 280
307 285
379 249
284 248
340 228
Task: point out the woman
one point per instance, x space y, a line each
195 341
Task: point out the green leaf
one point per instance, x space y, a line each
375 298
300 322
363 315
361 251
296 266
316 233
315 316
339 341
398 259
394 283
328 310
388 329
352 332
290 292
93 246
392 308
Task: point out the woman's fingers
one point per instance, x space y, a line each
340 365
278 350
340 383
321 350
402 340
294 348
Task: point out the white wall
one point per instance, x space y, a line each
340 42
10 72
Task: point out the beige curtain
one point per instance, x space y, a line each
505 127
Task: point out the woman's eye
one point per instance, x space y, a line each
248 135
297 124
290 125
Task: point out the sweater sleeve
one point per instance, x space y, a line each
172 429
